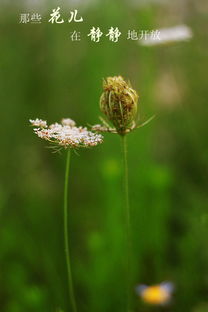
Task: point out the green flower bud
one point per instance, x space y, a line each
119 103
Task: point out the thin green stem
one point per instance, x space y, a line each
128 221
66 240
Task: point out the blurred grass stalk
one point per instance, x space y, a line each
66 239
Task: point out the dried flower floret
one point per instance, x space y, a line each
68 122
101 128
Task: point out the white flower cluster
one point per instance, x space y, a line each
66 134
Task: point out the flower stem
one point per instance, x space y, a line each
66 240
128 221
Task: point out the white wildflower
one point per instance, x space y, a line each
38 123
69 135
168 36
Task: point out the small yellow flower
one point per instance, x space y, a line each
156 294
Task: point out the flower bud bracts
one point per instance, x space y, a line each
119 103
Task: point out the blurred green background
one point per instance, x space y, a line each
46 75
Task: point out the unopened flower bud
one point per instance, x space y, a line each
119 103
